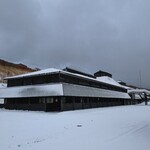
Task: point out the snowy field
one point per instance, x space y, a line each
111 128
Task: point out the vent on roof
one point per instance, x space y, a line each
77 72
121 82
102 73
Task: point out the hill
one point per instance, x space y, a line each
11 69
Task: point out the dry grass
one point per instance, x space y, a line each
7 69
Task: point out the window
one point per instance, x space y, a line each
50 100
56 100
27 81
68 100
78 100
42 100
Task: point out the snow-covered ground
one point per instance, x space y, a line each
111 128
3 85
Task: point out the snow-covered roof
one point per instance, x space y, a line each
106 80
138 91
126 87
40 72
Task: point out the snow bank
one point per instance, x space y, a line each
113 128
3 85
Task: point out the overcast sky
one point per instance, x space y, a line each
90 35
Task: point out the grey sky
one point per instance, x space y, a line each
112 35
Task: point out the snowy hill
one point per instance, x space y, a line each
113 128
11 69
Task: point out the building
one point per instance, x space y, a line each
2 86
59 90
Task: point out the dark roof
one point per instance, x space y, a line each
101 73
78 72
121 82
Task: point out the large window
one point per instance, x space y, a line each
14 82
87 82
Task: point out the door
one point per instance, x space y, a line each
52 104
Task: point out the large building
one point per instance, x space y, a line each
59 90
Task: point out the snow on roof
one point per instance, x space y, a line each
108 80
139 91
111 81
104 79
126 87
41 72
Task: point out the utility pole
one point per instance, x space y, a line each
140 78
145 97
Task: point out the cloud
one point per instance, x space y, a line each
89 35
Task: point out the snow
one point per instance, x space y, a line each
44 71
137 96
108 80
3 85
1 101
126 87
111 128
53 70
139 91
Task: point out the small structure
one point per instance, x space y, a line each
59 90
122 83
143 93
2 86
102 73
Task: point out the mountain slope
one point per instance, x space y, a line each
11 69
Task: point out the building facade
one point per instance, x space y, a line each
59 90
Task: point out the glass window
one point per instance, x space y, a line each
50 100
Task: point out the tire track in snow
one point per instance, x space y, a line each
128 132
